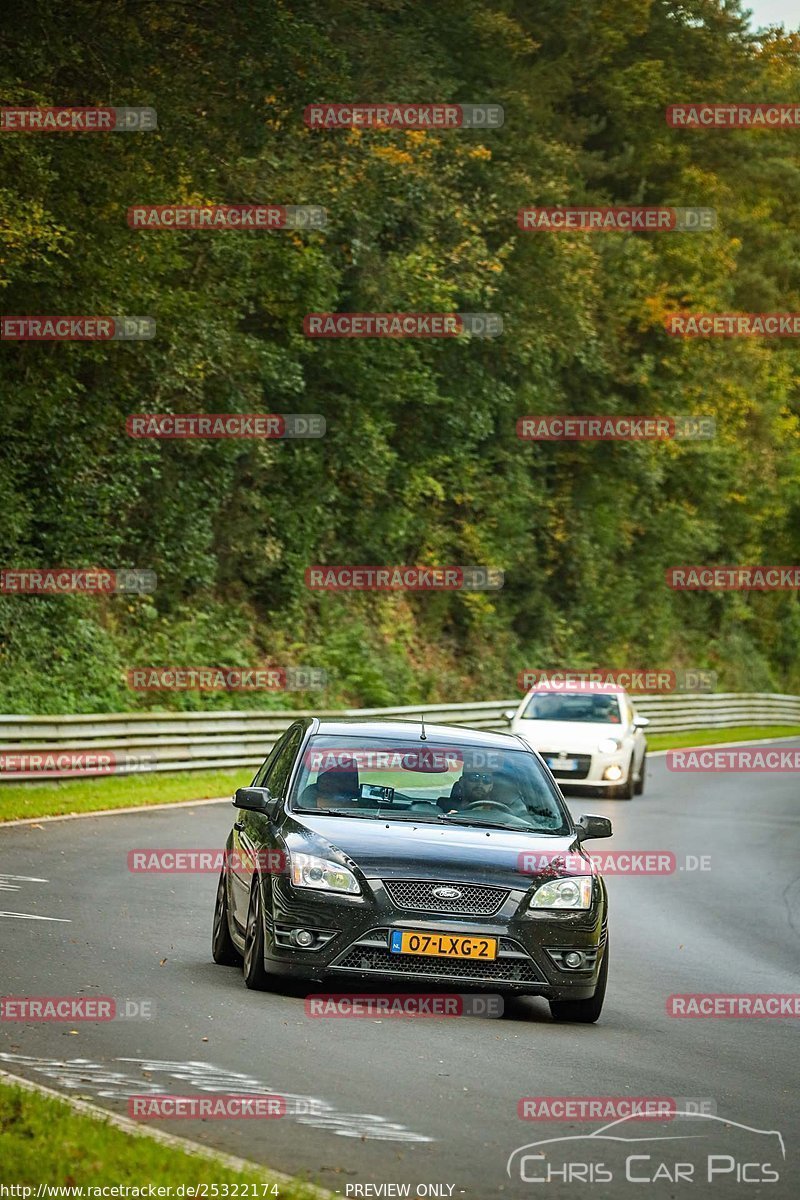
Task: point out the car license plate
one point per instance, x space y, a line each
442 945
562 764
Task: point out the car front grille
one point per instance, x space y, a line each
418 895
370 956
584 762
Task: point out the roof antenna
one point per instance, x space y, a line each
423 737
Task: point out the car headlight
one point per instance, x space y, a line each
609 745
308 871
575 892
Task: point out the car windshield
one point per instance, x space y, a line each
578 706
428 782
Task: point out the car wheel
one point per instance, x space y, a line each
255 974
626 789
639 788
223 950
583 1012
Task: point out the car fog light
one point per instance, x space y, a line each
573 959
302 937
613 773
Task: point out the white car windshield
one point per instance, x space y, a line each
578 706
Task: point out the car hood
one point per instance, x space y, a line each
388 849
577 736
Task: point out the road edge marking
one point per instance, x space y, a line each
136 1129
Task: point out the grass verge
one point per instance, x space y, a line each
59 797
710 737
43 1140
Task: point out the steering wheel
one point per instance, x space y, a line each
488 804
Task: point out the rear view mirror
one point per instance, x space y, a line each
593 827
376 793
255 799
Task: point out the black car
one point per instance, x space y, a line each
388 850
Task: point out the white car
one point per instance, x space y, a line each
590 738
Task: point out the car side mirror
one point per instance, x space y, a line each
510 713
640 722
590 826
256 799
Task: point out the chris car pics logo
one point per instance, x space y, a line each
692 1147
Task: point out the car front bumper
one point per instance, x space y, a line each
592 769
352 940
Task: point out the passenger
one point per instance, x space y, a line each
333 789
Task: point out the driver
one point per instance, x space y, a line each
476 787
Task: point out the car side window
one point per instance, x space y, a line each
269 762
279 768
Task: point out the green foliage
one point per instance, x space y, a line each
44 1141
421 463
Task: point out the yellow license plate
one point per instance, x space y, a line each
442 945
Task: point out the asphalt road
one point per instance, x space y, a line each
434 1102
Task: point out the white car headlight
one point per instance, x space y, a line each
574 892
609 745
308 871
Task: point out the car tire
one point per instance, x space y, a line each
223 950
255 973
639 786
583 1012
626 790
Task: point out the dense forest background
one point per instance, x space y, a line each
421 463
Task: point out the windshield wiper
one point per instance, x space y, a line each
327 812
457 820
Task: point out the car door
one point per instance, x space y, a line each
257 833
240 874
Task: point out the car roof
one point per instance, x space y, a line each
409 730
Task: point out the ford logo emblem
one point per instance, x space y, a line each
447 893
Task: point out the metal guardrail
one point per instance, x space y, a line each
225 740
